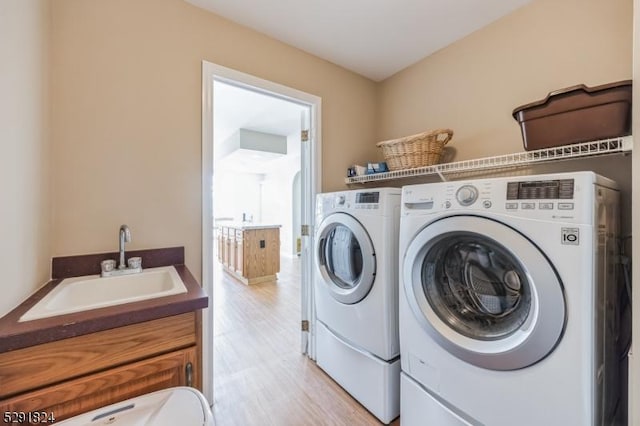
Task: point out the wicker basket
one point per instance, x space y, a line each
423 149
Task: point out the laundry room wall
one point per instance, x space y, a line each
473 85
25 205
126 95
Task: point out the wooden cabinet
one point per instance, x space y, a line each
231 244
71 376
239 244
252 254
221 242
225 242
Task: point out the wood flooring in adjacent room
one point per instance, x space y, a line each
260 376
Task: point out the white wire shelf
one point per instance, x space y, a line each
520 159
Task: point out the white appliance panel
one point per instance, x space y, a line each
374 383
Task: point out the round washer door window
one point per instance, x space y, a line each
476 286
484 292
345 258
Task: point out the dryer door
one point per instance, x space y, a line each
484 292
345 258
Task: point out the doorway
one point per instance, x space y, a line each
272 166
257 157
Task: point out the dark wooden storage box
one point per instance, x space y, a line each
576 114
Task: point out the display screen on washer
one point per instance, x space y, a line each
343 257
367 197
540 190
476 286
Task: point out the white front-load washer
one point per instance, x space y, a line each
356 292
507 312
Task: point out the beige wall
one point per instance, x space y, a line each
473 85
126 121
24 149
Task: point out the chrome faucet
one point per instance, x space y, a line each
125 237
132 266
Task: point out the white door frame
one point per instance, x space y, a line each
211 72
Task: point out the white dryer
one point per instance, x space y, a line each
356 290
507 292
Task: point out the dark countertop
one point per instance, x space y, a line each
17 335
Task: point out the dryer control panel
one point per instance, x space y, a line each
366 201
379 201
367 197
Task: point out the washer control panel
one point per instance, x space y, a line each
556 197
556 189
467 195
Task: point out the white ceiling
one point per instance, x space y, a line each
374 38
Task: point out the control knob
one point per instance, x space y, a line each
467 195
341 200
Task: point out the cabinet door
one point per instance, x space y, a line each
232 251
273 237
262 252
74 397
225 247
239 253
35 367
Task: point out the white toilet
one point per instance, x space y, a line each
182 406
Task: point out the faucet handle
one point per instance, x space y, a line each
108 265
134 262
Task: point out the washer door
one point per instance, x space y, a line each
345 258
484 292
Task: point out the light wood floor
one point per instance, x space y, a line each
260 377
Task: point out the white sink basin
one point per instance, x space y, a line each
90 292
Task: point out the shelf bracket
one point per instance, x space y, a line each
439 172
